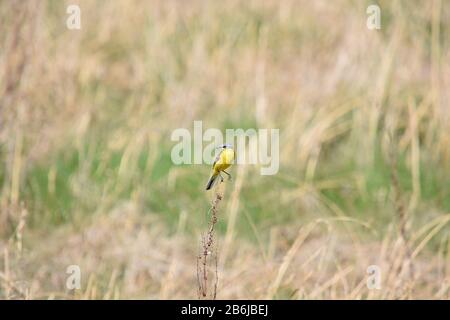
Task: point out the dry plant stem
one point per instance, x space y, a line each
12 287
207 249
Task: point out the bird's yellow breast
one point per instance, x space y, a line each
226 158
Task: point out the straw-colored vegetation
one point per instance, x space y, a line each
86 176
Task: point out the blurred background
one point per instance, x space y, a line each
86 177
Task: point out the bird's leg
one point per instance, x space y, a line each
221 178
229 175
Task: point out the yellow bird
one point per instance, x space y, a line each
223 160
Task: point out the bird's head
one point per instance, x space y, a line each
225 146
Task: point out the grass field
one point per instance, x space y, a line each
86 176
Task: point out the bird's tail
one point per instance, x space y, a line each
211 181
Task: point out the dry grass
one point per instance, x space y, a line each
86 176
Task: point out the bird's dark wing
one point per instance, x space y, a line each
217 158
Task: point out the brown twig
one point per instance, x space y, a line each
207 250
